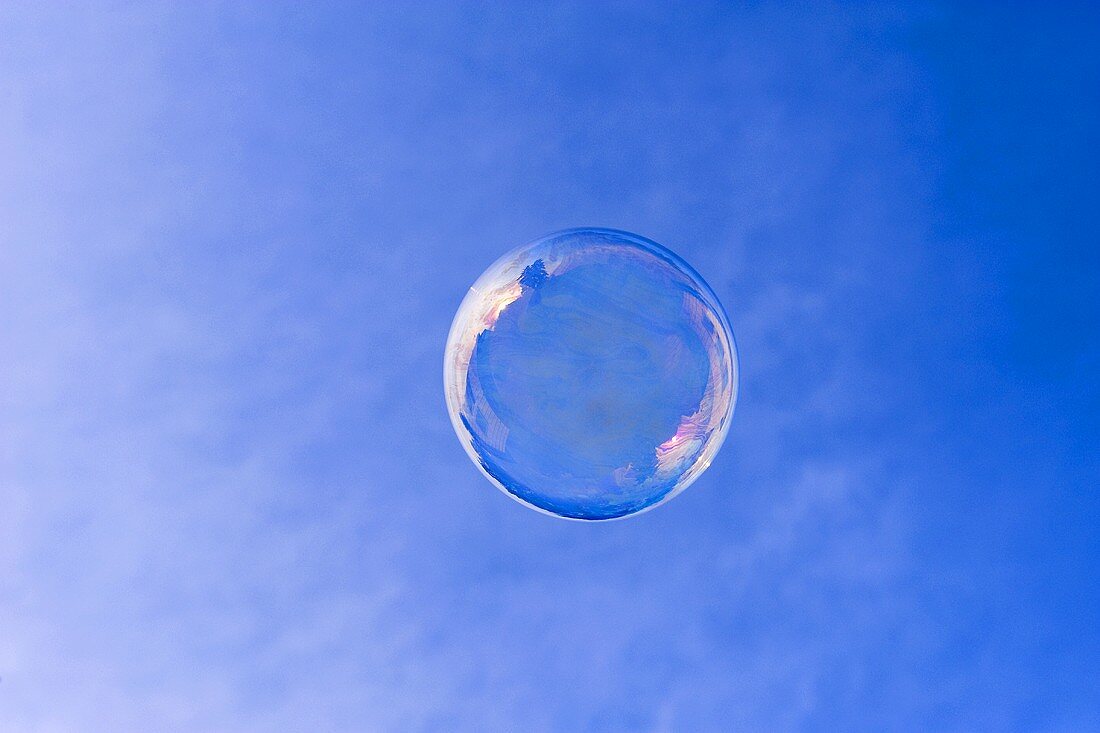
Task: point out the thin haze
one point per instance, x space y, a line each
232 238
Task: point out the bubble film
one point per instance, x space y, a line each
591 374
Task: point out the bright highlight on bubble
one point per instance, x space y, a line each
591 374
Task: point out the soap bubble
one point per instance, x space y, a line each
591 374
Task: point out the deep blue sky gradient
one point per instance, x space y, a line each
232 238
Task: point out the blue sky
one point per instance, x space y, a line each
233 236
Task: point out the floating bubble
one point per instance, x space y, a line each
591 374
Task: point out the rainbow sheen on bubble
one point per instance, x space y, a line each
591 374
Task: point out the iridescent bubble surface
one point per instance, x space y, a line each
591 374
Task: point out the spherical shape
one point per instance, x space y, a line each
591 374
